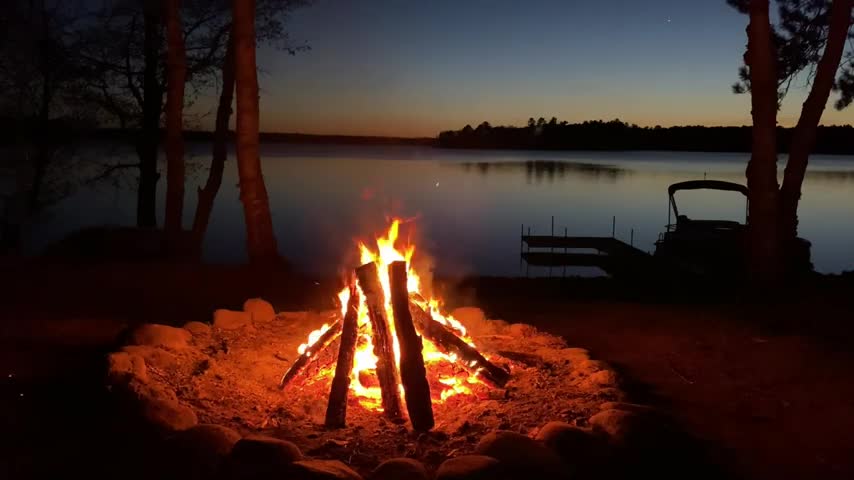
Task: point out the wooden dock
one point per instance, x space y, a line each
608 253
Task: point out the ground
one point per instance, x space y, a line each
765 389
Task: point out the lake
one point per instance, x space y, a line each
467 206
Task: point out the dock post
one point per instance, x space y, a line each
614 227
565 229
552 250
632 238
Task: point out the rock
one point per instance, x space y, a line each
123 367
400 469
201 451
636 429
153 356
590 367
576 355
230 320
581 450
260 310
629 407
605 378
197 328
521 455
521 330
158 406
258 456
322 470
470 467
161 336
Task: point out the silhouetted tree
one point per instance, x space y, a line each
176 68
261 242
810 37
122 43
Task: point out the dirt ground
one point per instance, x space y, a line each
766 389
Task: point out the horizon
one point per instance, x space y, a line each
396 69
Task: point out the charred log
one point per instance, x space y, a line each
303 360
448 342
413 375
336 409
369 280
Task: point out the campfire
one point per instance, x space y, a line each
393 342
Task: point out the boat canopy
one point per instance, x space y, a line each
707 184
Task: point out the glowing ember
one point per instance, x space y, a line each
450 382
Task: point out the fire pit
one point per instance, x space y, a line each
389 374
394 338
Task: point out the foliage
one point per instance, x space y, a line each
800 35
618 135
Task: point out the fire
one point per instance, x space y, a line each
365 363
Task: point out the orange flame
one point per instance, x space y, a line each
365 362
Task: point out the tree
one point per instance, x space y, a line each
176 61
261 242
810 38
121 45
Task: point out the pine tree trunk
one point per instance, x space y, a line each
763 239
803 138
261 242
176 70
207 195
147 145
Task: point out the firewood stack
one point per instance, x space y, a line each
411 324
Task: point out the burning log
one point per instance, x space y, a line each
336 409
369 280
449 343
413 375
325 339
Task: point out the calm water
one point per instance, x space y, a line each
468 206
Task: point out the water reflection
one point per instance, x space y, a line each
470 203
538 170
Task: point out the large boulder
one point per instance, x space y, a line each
584 452
230 320
400 469
198 329
163 336
157 405
521 455
201 451
124 367
259 309
258 456
322 470
471 467
154 356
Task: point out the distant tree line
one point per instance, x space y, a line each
618 135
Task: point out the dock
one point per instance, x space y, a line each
610 254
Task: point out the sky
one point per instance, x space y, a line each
414 68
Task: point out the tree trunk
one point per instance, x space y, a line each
763 238
176 70
43 151
803 138
220 151
261 242
147 144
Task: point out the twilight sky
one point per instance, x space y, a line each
415 67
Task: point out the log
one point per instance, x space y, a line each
299 365
336 409
449 343
413 375
369 280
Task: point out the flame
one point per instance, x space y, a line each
365 363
